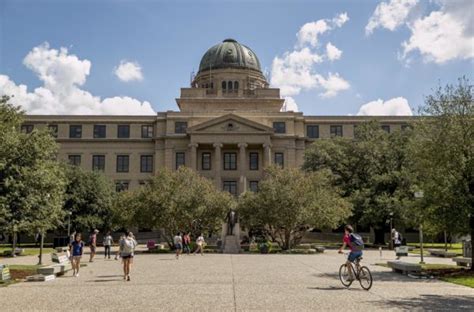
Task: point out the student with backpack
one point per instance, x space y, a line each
356 245
127 251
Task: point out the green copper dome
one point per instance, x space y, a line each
229 54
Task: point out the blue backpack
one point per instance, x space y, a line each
357 242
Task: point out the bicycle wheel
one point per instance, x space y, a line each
365 278
344 276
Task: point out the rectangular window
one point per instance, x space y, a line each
386 128
98 162
230 161
279 159
405 127
180 159
123 131
336 131
279 127
122 163
146 163
53 129
206 161
230 186
312 131
147 131
75 131
253 161
75 160
99 131
253 186
27 128
121 186
180 126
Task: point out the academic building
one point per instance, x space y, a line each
229 127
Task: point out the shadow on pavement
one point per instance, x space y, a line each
105 280
332 288
108 276
430 303
381 277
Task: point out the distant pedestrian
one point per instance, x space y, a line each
122 237
72 237
397 238
108 241
178 244
93 244
200 242
76 248
127 252
187 243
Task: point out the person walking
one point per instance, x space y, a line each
122 237
200 242
93 244
397 239
178 244
76 249
187 243
108 241
127 252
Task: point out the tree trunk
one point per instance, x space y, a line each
471 223
40 256
445 241
379 236
13 243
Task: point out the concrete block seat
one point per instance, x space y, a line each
404 267
442 253
463 261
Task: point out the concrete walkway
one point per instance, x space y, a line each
235 283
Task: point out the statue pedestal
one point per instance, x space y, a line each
230 243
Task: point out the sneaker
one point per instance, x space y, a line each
73 274
77 274
128 278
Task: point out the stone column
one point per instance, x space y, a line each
217 164
193 155
242 166
267 155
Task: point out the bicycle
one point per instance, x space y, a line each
361 273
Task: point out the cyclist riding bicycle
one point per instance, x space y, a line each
355 243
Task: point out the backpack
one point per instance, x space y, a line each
357 242
128 246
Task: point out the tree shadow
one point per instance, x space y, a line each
430 303
104 280
333 288
108 276
386 276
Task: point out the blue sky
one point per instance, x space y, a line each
168 38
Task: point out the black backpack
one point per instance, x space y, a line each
357 242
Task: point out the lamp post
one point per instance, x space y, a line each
42 232
420 194
391 227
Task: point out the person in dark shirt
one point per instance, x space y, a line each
76 249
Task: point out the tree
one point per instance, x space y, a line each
31 180
174 201
89 197
443 158
289 202
371 170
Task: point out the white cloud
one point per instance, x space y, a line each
332 52
289 105
395 107
295 70
128 71
443 35
390 15
332 85
62 75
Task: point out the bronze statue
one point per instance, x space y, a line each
232 218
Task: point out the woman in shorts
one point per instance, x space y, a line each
127 251
76 249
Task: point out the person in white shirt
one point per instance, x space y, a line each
200 242
108 241
127 251
178 244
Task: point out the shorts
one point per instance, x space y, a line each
178 246
76 257
127 256
354 255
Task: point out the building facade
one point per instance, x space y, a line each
229 127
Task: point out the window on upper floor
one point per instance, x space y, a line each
147 131
236 85
206 161
27 128
75 131
312 131
279 159
335 131
230 161
100 131
180 127
74 160
123 131
224 85
279 126
98 162
253 186
253 161
146 163
53 129
180 159
123 163
386 128
230 186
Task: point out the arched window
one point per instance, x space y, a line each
236 85
224 85
229 85
212 85
207 86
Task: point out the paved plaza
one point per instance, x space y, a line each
217 282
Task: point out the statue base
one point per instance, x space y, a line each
230 243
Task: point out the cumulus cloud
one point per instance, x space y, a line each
289 105
128 71
332 52
62 75
295 70
390 15
395 107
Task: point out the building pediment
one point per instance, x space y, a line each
230 123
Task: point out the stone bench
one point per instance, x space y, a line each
463 261
442 253
55 269
401 251
18 252
62 249
404 267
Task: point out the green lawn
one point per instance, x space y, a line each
457 248
28 251
460 280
